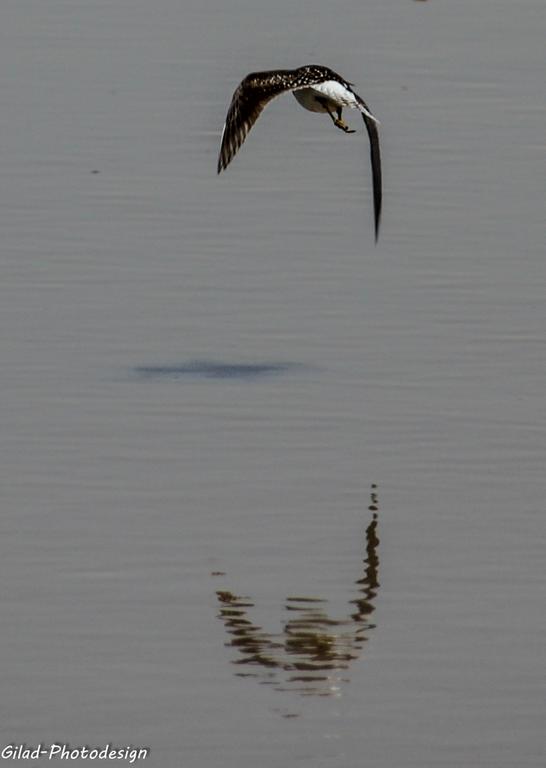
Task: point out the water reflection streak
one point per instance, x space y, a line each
312 654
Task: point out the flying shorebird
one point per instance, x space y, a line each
317 89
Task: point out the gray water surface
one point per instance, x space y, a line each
271 494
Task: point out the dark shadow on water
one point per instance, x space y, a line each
214 369
313 652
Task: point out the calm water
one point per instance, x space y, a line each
271 495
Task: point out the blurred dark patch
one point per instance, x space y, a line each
210 369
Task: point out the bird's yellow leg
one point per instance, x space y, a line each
339 123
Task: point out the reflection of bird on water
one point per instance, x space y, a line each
317 89
313 648
369 583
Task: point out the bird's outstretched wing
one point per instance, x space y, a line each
249 99
259 88
375 157
371 124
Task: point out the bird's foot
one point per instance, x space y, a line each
339 123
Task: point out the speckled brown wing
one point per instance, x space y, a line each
259 88
249 99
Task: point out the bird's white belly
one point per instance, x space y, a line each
334 93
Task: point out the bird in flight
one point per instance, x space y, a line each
317 89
